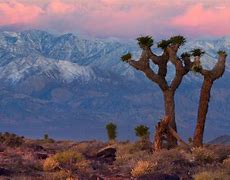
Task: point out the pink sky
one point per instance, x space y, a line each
119 18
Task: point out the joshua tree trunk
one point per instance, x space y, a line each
202 111
170 111
209 77
162 130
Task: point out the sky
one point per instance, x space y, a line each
119 18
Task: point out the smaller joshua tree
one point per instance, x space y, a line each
142 132
46 137
111 131
209 77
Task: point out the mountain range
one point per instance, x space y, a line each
71 86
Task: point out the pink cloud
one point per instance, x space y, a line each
58 7
212 20
18 13
123 18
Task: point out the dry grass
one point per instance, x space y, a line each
141 168
226 164
210 175
204 155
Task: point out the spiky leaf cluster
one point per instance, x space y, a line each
185 55
145 41
223 53
163 44
142 131
180 40
197 52
126 57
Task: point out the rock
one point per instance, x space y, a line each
96 177
106 155
35 147
158 176
5 172
41 155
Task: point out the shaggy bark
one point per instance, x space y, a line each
163 129
209 77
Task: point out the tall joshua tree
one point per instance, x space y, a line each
209 77
182 67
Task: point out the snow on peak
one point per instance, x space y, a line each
36 65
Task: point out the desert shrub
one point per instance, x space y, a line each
211 175
203 155
171 161
58 175
84 166
141 168
63 161
221 152
127 156
11 139
111 131
226 163
50 164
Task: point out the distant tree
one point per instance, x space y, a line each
169 54
142 131
46 136
209 77
111 131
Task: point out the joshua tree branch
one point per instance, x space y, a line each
217 71
181 69
145 68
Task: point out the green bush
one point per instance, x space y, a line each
111 131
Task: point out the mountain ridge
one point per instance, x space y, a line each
71 84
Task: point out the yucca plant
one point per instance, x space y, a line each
145 41
111 131
180 40
197 52
185 54
126 57
163 44
221 52
142 131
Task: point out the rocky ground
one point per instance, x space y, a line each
22 158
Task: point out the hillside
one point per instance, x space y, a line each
23 158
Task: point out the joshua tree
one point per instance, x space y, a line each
142 131
46 136
182 66
209 77
111 131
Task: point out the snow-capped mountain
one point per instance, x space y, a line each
75 84
103 54
21 68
